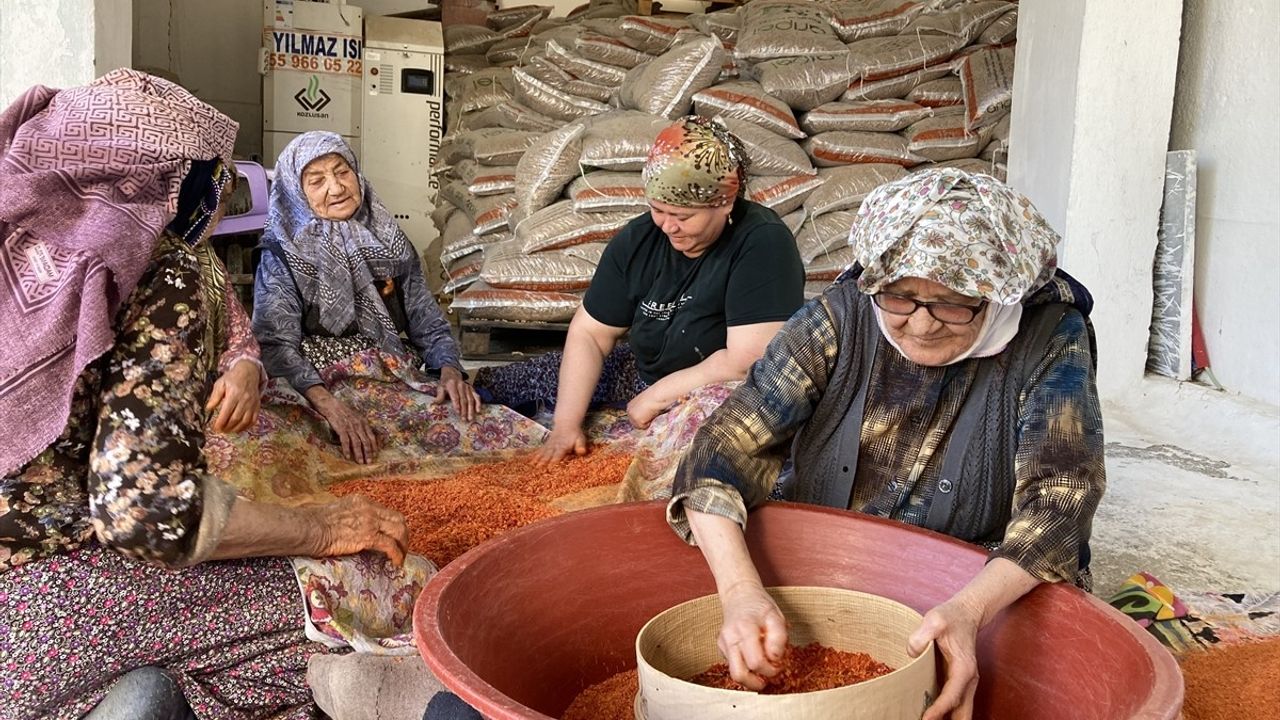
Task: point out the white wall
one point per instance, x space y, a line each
210 48
1047 58
44 42
113 35
1093 96
1227 108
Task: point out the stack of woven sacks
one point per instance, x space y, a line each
547 134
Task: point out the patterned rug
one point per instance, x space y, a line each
1190 621
291 455
467 471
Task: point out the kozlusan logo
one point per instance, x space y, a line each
313 99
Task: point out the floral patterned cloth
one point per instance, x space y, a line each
662 446
75 615
228 632
969 232
290 456
241 344
126 466
534 384
363 601
609 426
325 351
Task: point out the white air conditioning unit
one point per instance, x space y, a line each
403 122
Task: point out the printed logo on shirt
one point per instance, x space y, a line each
663 311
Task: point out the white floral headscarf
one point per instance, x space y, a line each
967 231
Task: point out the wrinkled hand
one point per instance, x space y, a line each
458 391
954 627
354 524
238 394
643 409
753 636
559 444
359 443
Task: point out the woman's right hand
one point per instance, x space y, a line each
559 444
358 441
354 524
753 637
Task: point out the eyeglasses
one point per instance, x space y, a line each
949 313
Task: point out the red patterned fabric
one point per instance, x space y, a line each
89 178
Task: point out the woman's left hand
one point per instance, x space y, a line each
643 408
458 391
954 627
238 393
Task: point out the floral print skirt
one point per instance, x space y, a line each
663 445
531 385
230 632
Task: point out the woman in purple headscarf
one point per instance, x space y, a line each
114 313
339 276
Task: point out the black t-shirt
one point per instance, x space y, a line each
678 308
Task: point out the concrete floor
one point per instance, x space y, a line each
1193 492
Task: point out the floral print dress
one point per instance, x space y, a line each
99 535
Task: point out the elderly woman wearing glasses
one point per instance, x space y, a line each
946 381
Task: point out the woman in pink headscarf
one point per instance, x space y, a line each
117 323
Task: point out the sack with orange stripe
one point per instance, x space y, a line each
843 147
782 194
944 137
863 115
748 101
609 192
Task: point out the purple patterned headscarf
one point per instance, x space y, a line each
89 179
336 263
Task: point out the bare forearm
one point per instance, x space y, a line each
717 367
257 529
319 396
744 345
997 586
580 370
725 549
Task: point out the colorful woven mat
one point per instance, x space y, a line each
1197 620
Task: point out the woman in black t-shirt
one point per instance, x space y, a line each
702 282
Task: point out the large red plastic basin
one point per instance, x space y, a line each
518 626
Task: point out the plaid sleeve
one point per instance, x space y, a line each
1059 461
735 457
